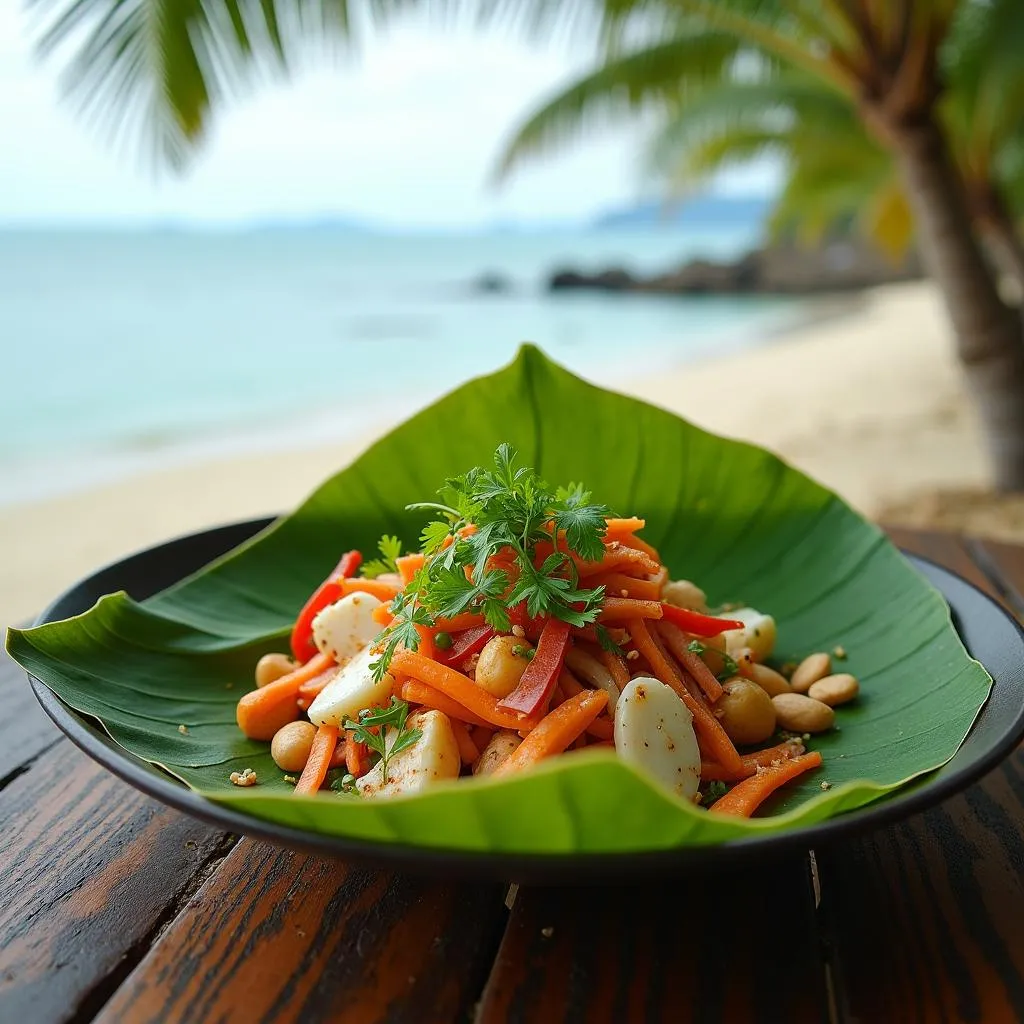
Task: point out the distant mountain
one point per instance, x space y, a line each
698 212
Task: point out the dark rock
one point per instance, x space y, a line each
779 269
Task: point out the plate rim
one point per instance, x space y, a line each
107 752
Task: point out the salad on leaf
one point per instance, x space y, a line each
532 623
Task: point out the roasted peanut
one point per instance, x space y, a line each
835 690
502 664
745 711
810 670
797 713
291 745
767 678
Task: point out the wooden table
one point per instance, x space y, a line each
117 909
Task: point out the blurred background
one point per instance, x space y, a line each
238 240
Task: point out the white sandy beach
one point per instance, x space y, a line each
869 403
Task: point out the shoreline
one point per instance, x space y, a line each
864 396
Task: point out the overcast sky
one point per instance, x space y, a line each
407 134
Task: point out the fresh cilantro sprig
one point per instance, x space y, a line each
390 548
483 553
372 729
729 664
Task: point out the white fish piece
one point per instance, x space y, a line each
654 731
344 628
432 758
351 690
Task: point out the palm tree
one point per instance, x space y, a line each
166 64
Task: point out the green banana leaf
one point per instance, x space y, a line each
728 515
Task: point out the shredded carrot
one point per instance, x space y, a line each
467 748
616 584
616 665
312 687
711 736
380 589
427 646
620 609
620 556
459 688
457 623
633 541
357 756
408 566
481 735
319 761
382 615
679 644
710 771
569 683
616 529
746 796
415 692
260 713
556 730
602 728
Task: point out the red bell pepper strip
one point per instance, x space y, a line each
541 675
466 644
327 593
694 622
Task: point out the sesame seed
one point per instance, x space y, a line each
518 631
183 729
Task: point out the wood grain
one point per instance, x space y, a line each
280 936
1005 564
948 550
91 869
25 731
656 951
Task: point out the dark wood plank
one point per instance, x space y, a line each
1004 564
280 936
655 951
25 731
926 919
91 870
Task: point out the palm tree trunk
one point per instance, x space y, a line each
989 335
1007 248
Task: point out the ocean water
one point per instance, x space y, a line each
122 350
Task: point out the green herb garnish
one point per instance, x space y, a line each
730 667
715 791
390 548
512 512
604 638
372 729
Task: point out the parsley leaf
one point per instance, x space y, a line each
501 537
715 791
729 664
390 548
373 727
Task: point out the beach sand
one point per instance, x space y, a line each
870 403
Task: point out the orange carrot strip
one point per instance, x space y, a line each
620 556
556 730
708 728
641 545
602 728
382 615
615 664
457 623
408 566
319 761
459 688
616 584
427 646
619 609
260 713
688 681
616 529
467 748
710 771
339 759
746 796
481 736
380 589
415 692
311 687
357 756
679 644
569 683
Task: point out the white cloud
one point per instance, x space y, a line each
408 133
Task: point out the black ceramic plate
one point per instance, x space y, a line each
988 632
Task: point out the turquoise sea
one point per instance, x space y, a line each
122 350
